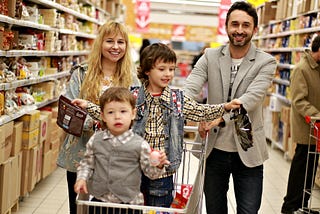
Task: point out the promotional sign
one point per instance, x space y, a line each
178 33
223 10
256 3
142 15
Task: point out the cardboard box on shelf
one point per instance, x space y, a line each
30 138
46 164
43 127
275 104
2 146
54 160
39 163
17 138
24 172
10 175
30 120
55 145
5 169
6 146
32 177
285 114
49 126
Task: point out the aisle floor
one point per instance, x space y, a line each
50 195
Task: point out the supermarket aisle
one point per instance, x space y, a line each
50 195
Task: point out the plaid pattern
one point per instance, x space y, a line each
154 133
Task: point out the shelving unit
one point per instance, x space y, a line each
50 37
286 28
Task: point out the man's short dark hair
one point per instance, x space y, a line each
246 7
315 44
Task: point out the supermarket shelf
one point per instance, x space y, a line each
19 83
24 110
79 15
281 81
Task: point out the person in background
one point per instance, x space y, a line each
202 97
145 43
116 155
235 70
161 112
197 57
305 101
109 64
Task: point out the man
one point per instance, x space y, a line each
236 70
304 89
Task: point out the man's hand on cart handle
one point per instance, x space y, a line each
81 187
204 127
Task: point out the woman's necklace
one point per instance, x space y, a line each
107 81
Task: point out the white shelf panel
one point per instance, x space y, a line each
57 6
24 110
19 83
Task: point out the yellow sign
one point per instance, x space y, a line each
256 3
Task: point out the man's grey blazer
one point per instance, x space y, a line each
250 86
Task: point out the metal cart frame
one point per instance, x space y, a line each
182 176
313 136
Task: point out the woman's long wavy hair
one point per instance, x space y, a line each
91 86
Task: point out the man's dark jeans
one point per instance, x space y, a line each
247 183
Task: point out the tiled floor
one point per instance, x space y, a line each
50 195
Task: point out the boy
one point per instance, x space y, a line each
161 113
114 158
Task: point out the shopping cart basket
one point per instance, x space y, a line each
191 170
310 192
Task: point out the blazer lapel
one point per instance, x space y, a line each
246 64
225 69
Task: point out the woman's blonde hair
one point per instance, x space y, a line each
91 86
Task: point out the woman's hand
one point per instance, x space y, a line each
81 103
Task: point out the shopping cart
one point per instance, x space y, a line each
310 192
189 177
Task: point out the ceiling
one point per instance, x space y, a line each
192 12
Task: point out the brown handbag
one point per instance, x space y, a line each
71 118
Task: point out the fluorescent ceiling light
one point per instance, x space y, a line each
210 3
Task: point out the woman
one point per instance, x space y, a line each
109 64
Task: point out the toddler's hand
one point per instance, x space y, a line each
81 186
158 158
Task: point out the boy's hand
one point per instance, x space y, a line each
233 104
81 103
81 186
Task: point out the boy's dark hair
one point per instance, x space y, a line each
151 54
118 94
315 44
246 7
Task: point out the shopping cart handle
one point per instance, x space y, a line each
190 128
310 119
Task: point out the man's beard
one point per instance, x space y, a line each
239 44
